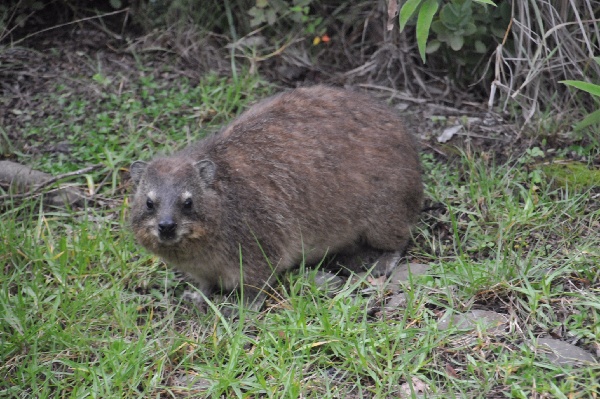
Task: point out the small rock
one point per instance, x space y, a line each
328 282
493 322
563 353
417 389
403 273
190 381
395 302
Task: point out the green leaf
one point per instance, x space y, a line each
271 16
589 120
480 47
439 28
498 32
407 11
258 16
456 16
490 2
585 86
433 46
470 29
466 8
116 4
426 13
597 59
456 42
450 16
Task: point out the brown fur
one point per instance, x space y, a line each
303 174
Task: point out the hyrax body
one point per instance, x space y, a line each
304 174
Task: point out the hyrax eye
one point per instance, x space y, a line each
149 204
187 204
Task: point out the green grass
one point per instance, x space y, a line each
85 312
116 127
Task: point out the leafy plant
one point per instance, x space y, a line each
594 90
271 11
455 23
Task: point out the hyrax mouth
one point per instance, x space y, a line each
168 238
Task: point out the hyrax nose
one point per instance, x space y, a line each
167 227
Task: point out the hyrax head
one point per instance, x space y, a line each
172 202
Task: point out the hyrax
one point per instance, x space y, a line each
303 174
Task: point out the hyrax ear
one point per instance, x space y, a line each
136 170
207 170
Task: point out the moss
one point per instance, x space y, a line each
575 175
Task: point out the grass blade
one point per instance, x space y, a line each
589 120
585 86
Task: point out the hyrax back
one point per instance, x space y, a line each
303 174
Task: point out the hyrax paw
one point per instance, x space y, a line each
388 262
195 298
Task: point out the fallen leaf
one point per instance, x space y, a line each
450 371
377 281
448 133
418 386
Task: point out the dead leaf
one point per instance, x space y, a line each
450 371
448 133
377 281
392 12
418 386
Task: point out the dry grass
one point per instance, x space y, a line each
551 41
545 42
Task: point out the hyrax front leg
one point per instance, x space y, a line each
250 294
198 294
230 307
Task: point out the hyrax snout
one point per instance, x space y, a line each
300 175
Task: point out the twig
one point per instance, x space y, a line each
38 188
69 23
395 93
585 38
66 175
